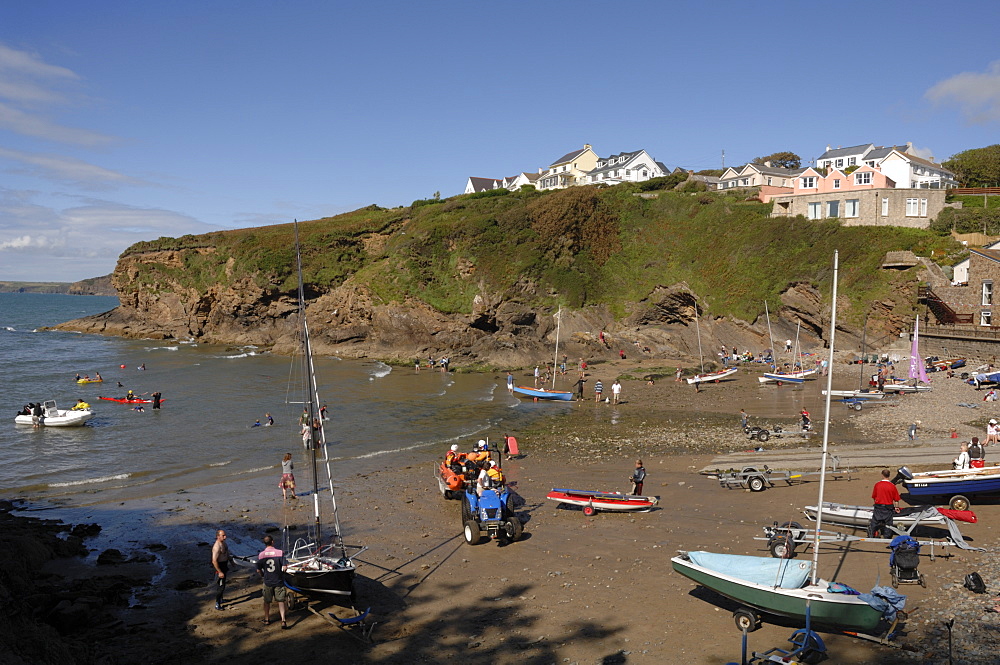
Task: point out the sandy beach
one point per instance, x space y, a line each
575 589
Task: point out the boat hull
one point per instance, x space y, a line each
335 585
712 376
62 419
860 516
835 610
610 501
967 482
541 393
790 377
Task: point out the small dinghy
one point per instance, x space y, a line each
592 501
56 417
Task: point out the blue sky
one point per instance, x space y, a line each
127 121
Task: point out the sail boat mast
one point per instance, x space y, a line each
698 328
770 337
826 421
555 360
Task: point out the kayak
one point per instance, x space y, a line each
122 400
90 380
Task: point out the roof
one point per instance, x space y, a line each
845 152
775 170
629 158
925 162
900 259
570 156
482 184
991 254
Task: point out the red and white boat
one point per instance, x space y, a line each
712 376
592 501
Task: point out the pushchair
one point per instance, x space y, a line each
903 561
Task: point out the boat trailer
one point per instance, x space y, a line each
784 538
759 479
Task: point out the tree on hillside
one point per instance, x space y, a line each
978 167
714 172
784 160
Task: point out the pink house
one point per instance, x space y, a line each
812 181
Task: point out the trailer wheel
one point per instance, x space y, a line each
471 532
746 620
856 406
756 484
959 502
589 511
763 435
781 547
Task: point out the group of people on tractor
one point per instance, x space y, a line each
476 466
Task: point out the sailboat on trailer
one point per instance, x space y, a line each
319 564
794 376
784 587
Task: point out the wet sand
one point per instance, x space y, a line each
575 589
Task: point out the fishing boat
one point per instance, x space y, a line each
52 416
786 587
592 501
954 484
706 377
549 394
544 393
319 564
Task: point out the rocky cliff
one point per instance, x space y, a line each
439 280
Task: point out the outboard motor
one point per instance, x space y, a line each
902 474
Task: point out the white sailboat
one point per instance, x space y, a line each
706 376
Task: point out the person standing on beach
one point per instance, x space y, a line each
287 481
579 386
744 419
912 431
598 389
537 375
220 562
885 497
616 391
510 383
678 374
637 478
271 566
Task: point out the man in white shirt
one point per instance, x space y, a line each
616 390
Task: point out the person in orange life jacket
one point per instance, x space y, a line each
885 497
491 477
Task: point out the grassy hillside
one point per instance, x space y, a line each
580 246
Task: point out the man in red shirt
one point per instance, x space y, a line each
885 497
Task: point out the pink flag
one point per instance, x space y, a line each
917 370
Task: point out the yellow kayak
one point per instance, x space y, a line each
90 380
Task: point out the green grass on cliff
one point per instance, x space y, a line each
580 246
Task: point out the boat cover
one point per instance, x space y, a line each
766 571
886 600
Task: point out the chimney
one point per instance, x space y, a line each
767 163
586 145
539 170
828 147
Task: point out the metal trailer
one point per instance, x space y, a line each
784 538
759 479
762 434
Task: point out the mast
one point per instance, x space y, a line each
864 347
826 420
698 328
555 360
795 347
770 337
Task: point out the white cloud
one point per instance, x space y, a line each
29 124
22 62
69 170
977 94
42 243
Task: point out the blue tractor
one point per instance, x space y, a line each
493 512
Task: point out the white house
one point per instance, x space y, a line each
635 166
569 169
514 183
757 175
899 163
481 185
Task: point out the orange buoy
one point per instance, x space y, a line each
122 366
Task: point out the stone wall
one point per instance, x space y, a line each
870 206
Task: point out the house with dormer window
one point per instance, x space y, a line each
899 163
758 175
635 166
570 169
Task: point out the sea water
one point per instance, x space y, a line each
212 397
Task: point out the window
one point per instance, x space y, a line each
923 207
985 318
863 178
833 208
645 174
852 207
809 182
836 183
746 182
987 292
851 161
826 164
912 207
885 207
840 163
815 211
769 180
